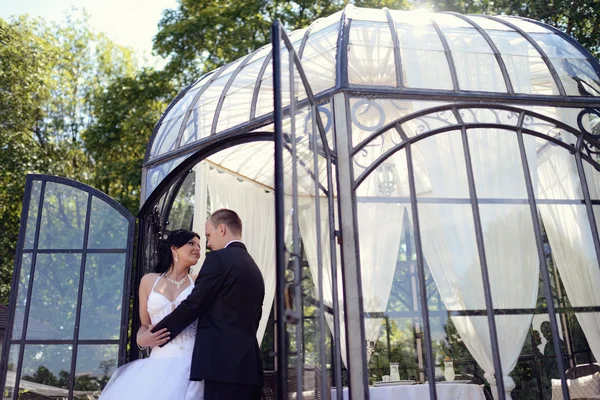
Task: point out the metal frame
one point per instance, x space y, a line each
342 89
580 155
75 341
342 83
288 314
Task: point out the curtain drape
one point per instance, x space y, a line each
256 210
450 246
570 235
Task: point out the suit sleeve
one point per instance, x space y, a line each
208 284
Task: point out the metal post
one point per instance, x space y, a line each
280 333
353 305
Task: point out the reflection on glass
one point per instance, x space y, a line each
63 217
95 365
21 296
54 296
182 210
108 227
46 370
34 204
102 296
11 374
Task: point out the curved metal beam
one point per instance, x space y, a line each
207 149
490 42
341 55
449 58
555 76
397 53
234 74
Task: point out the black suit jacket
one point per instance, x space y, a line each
227 300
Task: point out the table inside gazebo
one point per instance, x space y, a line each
445 391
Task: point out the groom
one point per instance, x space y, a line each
227 301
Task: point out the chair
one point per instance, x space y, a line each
311 389
582 370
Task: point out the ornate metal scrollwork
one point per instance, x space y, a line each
591 138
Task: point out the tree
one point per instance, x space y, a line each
124 117
27 54
49 78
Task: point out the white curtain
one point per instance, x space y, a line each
379 246
308 230
570 235
450 245
256 209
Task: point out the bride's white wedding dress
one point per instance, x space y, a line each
165 374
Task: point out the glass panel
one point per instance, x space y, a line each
34 204
424 62
514 275
95 365
526 68
527 26
496 161
568 229
556 174
156 174
488 24
166 137
182 105
238 101
108 227
102 296
556 47
366 14
21 296
371 54
570 64
440 160
460 344
182 210
317 60
593 180
11 374
63 217
46 370
450 21
475 62
54 296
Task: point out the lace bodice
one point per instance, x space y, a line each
158 308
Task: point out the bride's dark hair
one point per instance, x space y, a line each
177 238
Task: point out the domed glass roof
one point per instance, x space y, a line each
378 51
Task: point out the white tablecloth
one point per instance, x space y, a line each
445 391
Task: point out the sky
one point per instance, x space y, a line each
131 23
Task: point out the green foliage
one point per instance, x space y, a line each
27 52
125 114
50 77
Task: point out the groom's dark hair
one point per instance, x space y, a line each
229 218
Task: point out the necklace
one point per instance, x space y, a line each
178 284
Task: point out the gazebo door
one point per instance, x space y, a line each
69 304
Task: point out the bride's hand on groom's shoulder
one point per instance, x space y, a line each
149 339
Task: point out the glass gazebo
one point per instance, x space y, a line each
419 190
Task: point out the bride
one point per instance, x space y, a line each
165 374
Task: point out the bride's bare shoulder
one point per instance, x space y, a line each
149 279
194 276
